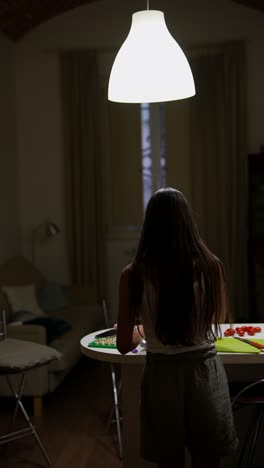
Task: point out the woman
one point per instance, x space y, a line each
176 287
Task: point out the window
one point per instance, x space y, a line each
153 149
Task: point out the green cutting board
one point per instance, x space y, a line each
97 344
231 345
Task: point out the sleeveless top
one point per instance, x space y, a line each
148 317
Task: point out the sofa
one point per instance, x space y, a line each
80 317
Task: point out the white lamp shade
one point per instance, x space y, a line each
150 66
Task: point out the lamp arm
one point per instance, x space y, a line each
33 240
51 229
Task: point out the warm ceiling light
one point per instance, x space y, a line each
150 66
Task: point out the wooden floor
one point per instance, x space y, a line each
73 426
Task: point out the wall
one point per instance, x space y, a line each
9 207
104 25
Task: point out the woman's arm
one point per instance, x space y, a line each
127 336
223 312
223 295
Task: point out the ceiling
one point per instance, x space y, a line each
18 17
257 4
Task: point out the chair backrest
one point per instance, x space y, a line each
3 325
106 314
249 392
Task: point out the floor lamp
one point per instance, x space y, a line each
48 229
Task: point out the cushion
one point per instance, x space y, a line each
55 327
23 298
22 316
51 297
18 355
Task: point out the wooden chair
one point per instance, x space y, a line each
251 395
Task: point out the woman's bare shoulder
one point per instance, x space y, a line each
127 270
126 273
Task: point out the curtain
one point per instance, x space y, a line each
82 149
218 161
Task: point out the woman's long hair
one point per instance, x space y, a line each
171 256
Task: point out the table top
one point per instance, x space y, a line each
113 355
110 354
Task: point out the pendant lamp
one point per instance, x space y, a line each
150 66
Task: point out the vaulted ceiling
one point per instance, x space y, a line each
17 17
258 4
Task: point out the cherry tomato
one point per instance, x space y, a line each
241 333
232 331
227 332
257 329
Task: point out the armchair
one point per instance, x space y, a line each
82 317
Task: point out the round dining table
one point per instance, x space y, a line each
241 367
